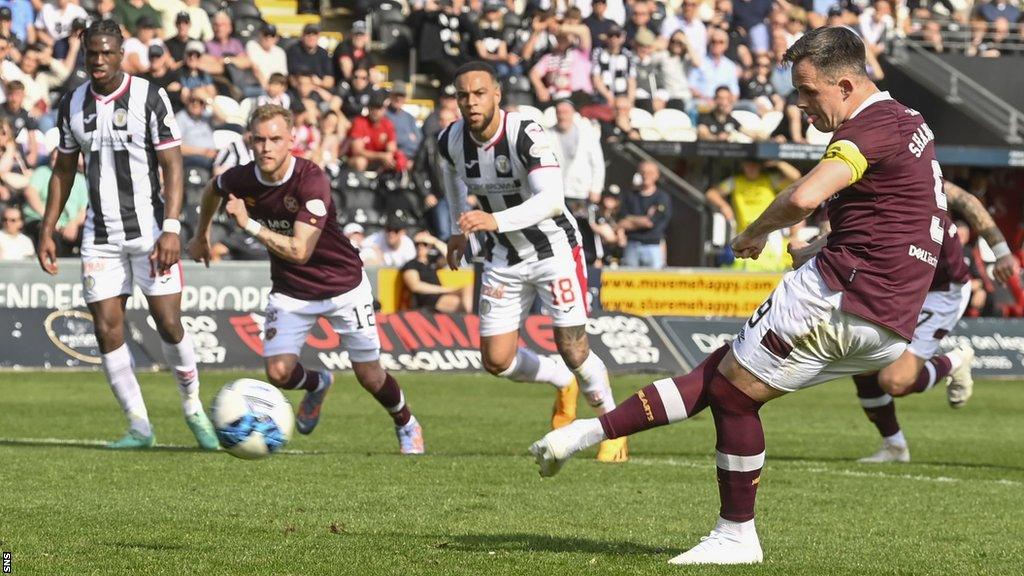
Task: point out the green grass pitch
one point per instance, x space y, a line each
343 502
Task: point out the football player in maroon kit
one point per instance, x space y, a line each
850 310
315 271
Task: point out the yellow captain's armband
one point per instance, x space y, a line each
847 152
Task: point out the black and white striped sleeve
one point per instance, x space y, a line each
533 146
66 144
163 127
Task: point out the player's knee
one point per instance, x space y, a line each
894 384
574 356
496 366
371 375
170 329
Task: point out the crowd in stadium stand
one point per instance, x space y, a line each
590 71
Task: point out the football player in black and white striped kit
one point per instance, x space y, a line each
532 246
125 128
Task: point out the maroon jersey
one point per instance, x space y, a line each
888 224
303 196
951 268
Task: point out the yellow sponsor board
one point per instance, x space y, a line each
686 292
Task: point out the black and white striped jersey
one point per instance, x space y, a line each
119 135
615 70
497 173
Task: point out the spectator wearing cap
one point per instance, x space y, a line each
14 110
176 42
265 50
196 122
391 246
160 74
687 20
201 28
599 23
193 79
372 142
136 48
645 218
353 53
420 278
489 41
578 146
22 17
614 68
406 131
715 70
127 14
651 62
306 56
69 224
7 31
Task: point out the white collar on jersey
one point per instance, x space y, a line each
497 135
876 97
104 98
287 175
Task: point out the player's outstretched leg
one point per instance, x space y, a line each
663 402
388 393
181 358
592 376
119 368
881 410
286 372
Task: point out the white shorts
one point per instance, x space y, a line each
939 315
799 337
105 277
507 292
288 321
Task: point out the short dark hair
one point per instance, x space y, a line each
831 50
722 87
104 28
477 66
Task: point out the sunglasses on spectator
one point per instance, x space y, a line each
718 41
15 219
427 244
361 77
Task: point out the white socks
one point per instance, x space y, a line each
954 360
527 366
741 530
118 365
896 439
181 358
593 379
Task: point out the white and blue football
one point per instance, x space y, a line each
252 418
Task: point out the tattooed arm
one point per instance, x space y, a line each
973 211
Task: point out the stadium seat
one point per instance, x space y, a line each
228 106
246 107
224 138
549 118
817 137
396 37
770 121
239 9
246 27
749 122
675 125
387 11
531 113
650 134
640 119
211 7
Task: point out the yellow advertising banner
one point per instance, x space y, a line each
686 292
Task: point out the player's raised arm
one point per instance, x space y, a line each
964 203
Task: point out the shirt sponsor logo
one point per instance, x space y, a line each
477 187
497 292
923 255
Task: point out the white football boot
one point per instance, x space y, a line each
961 384
888 453
728 543
556 447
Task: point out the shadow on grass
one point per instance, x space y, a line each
521 542
102 445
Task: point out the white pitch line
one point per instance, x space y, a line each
101 443
820 470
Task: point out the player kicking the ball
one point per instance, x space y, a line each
850 310
919 368
532 246
314 269
124 127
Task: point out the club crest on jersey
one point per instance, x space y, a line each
291 203
502 164
270 333
120 118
